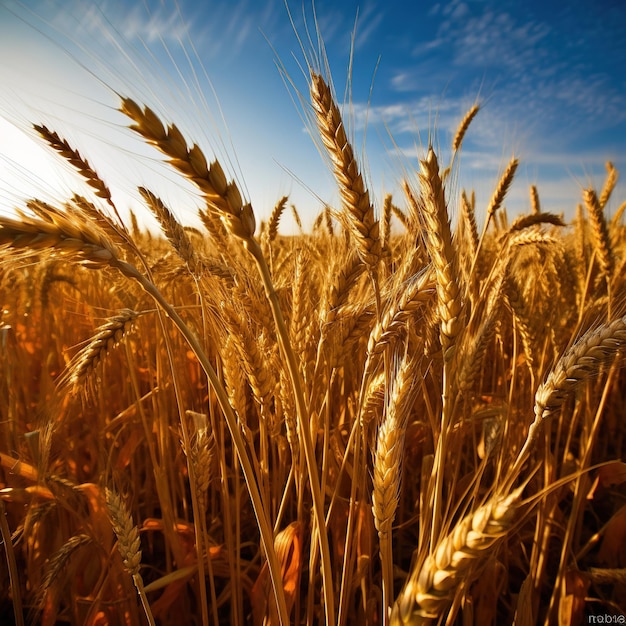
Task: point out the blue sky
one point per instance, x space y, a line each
549 75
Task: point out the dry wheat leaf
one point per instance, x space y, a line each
612 474
613 549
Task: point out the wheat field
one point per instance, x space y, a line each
395 418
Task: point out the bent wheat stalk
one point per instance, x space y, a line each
63 235
224 200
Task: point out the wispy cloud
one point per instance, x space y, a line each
369 21
538 76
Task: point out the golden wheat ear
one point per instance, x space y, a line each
107 336
431 587
463 126
355 198
222 197
58 232
173 231
438 236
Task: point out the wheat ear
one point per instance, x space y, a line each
221 196
470 219
418 292
401 217
534 200
107 336
59 232
201 453
534 219
173 230
609 184
77 161
385 222
600 232
431 587
463 126
503 186
128 543
272 225
578 363
439 243
388 470
354 196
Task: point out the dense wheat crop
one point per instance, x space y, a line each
396 418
